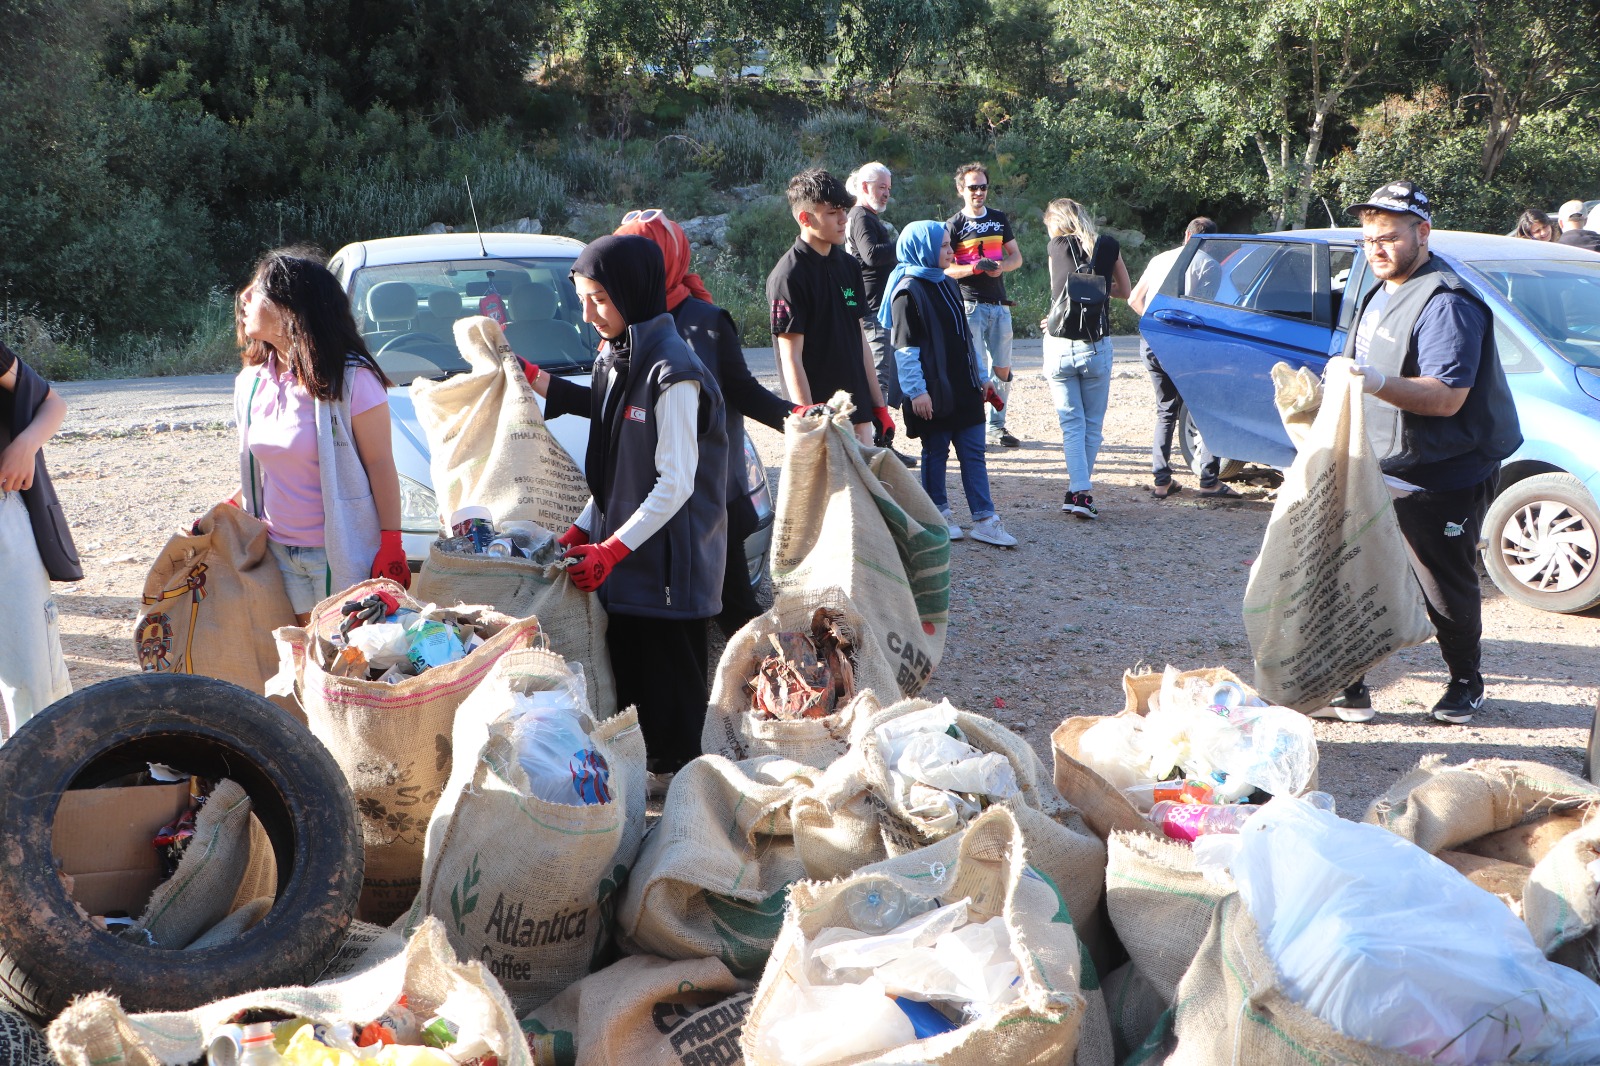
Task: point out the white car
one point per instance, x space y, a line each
408 292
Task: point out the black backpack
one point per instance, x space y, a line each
1079 312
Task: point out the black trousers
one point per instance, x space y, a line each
1167 403
660 665
1442 530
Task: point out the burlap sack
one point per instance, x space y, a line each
854 519
991 870
713 874
1160 906
573 621
1141 1024
643 1011
1104 807
365 947
488 442
211 602
1331 593
392 741
734 731
1231 1007
1437 806
1561 903
201 892
94 1030
523 885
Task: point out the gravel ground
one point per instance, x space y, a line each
1038 633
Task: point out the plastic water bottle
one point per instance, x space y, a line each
259 1048
875 906
1145 796
1186 821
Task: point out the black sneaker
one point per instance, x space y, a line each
1007 440
906 460
1463 697
1080 504
1354 704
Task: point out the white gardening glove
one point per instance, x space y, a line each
1371 379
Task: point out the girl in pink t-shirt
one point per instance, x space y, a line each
308 380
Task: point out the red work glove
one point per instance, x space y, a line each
991 395
529 371
884 438
390 562
593 563
574 536
811 409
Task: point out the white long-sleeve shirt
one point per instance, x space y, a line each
677 457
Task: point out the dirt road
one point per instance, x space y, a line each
1037 633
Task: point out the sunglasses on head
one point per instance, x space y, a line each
979 188
647 215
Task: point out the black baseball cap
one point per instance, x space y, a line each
1401 197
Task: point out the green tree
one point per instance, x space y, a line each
879 40
1268 75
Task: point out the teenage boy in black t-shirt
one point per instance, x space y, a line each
817 299
984 249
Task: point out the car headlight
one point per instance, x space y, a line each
419 507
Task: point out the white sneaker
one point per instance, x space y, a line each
990 531
955 530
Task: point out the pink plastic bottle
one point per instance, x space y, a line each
1186 821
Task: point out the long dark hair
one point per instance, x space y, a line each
323 338
1534 217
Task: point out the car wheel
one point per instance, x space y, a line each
1189 445
1542 543
49 951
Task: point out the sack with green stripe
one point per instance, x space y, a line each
851 518
524 885
714 872
1045 1023
1330 594
391 741
1160 906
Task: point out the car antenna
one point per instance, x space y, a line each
474 205
1332 224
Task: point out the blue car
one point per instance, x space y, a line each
1235 305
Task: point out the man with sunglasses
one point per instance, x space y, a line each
984 249
1440 418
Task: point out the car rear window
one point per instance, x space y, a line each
1559 298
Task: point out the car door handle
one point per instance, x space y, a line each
1178 318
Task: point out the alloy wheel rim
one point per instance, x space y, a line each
1549 547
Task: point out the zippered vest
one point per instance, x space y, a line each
677 573
1486 426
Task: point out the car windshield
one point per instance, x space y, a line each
407 312
1560 299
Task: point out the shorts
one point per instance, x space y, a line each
306 577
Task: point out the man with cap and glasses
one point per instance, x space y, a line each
1440 417
1571 218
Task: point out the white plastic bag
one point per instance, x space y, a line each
1390 946
385 644
818 1024
1114 748
1270 748
559 758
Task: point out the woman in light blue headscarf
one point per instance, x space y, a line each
939 376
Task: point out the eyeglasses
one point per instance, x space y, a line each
978 188
648 215
1385 242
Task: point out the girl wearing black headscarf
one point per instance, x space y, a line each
652 540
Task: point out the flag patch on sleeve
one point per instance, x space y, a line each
636 414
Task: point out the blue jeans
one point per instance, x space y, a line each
1079 373
991 339
974 469
306 577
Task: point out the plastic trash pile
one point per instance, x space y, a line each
554 748
906 969
807 675
945 780
380 642
398 1037
1205 757
473 532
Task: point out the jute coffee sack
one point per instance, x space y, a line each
1561 903
1160 905
644 1011
735 730
206 885
713 874
572 620
211 602
1331 593
1104 807
392 741
1231 1006
1141 1024
95 1030
488 441
524 885
854 519
991 872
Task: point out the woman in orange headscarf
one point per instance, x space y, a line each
710 331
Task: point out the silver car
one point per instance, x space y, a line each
408 292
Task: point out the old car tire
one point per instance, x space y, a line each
1189 445
1540 543
49 952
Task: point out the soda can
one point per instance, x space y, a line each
476 522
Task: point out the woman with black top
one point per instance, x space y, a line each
939 375
1079 371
